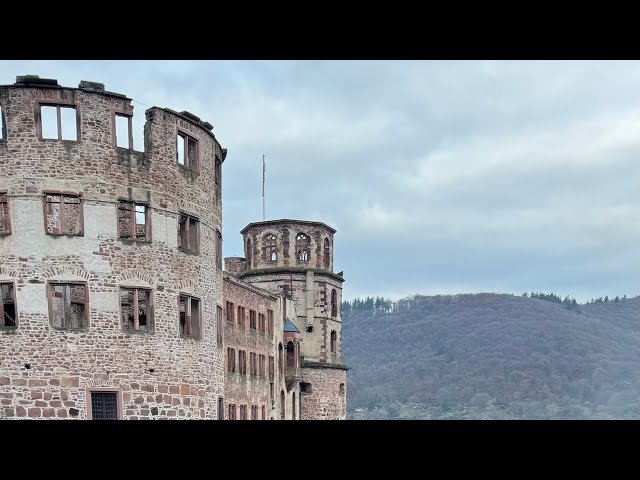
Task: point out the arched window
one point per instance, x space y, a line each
334 303
291 355
342 389
248 252
303 247
334 341
280 365
293 406
327 255
282 405
269 247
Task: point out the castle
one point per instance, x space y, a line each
114 300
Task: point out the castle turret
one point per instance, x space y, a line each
295 258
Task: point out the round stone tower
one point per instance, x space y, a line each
110 258
295 258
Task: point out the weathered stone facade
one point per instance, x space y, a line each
294 260
69 272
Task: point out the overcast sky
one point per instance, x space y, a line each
439 176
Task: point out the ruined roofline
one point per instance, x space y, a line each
290 270
286 220
34 81
226 276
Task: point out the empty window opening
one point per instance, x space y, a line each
264 413
270 322
342 389
3 124
232 412
309 328
133 219
303 247
243 412
252 319
5 220
254 412
252 363
68 305
261 362
241 317
327 254
282 412
271 393
188 233
220 408
271 369
242 362
293 406
305 387
269 247
280 365
218 170
231 360
334 303
8 316
63 214
136 308
124 137
190 316
248 254
334 341
104 405
58 122
218 249
261 322
219 335
187 151
291 357
230 311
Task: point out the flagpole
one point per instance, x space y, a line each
263 175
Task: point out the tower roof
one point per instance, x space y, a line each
290 327
287 220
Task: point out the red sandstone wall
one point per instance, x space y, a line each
326 401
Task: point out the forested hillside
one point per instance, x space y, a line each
492 356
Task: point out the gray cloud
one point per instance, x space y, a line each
440 177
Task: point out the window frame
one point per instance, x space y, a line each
68 283
252 320
89 403
219 325
187 136
147 218
58 104
189 218
3 123
231 360
129 117
15 304
151 326
62 194
217 165
220 408
242 317
270 248
270 322
5 206
188 317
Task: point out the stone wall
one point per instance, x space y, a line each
326 395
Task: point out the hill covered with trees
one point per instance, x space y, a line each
492 356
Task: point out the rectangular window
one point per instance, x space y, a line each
242 362
188 233
243 412
219 335
252 319
232 412
271 368
63 214
58 122
271 391
133 221
190 321
123 131
231 360
254 412
3 124
241 317
229 307
252 364
218 249
5 220
187 151
261 362
270 322
104 405
68 305
8 317
136 309
218 170
220 408
264 413
261 322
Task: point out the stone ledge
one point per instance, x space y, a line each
335 366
